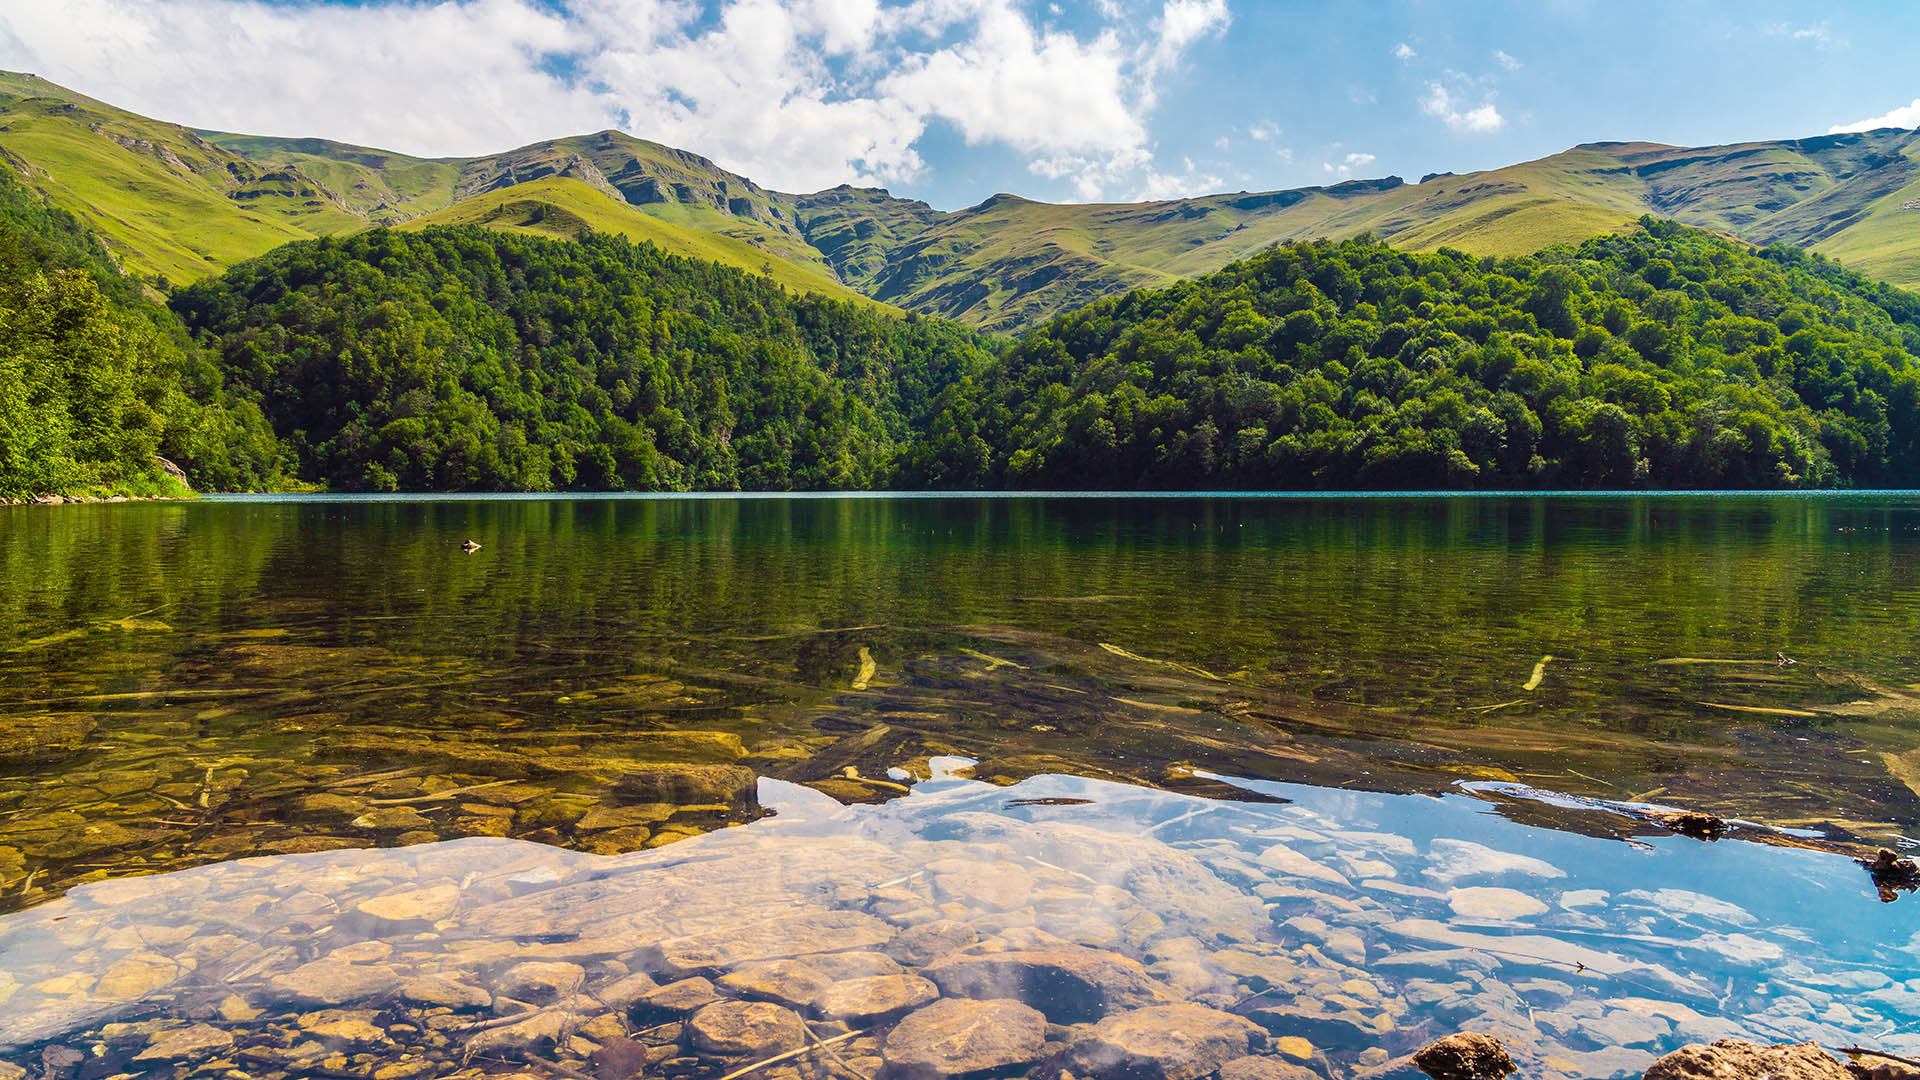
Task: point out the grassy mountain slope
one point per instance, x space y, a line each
564 207
185 203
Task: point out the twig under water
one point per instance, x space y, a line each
789 1055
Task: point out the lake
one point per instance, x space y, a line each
683 784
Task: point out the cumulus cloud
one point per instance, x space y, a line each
1816 34
1345 168
1506 60
1404 51
1906 116
1188 182
1443 104
798 94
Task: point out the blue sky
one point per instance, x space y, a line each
954 100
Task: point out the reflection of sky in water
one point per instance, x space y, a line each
1359 920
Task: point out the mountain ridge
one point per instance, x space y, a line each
183 203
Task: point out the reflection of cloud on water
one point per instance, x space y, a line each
1363 924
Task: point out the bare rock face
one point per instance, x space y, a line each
1074 984
957 1037
859 1000
1732 1059
1164 1042
746 1029
1469 1055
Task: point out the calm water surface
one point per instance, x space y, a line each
1360 771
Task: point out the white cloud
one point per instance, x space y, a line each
1264 132
797 94
1345 168
1188 183
1815 34
1404 51
1183 22
1479 119
1906 116
1506 60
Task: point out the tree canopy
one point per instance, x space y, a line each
96 378
1667 357
467 359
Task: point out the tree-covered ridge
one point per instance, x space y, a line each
466 359
1664 358
96 379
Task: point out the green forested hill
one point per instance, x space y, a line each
1664 358
471 359
96 378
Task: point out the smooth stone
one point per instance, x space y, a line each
680 997
929 941
788 982
1164 1042
1071 983
1265 1068
1484 902
1291 863
1455 859
437 990
330 982
860 1000
413 905
852 965
960 1037
772 939
746 1029
176 1043
540 981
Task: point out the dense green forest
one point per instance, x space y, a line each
466 359
97 379
1663 358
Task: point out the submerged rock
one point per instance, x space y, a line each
187 1042
1072 983
957 1037
749 1029
861 1000
1734 1059
413 905
1469 1055
788 982
1164 1042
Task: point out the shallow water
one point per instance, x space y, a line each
183 685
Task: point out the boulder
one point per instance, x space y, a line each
861 1000
435 990
1071 983
957 1037
731 785
1734 1059
1469 1055
746 1029
1164 1042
